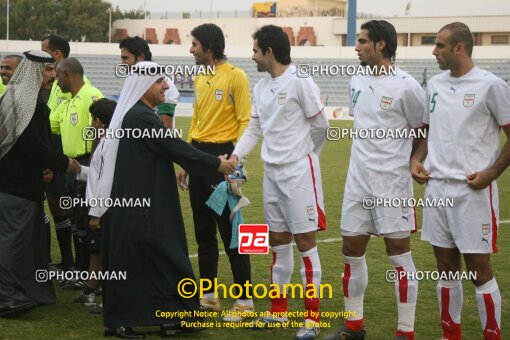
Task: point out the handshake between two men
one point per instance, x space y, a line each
73 166
227 167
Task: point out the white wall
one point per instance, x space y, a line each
311 52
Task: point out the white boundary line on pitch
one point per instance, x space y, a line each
334 239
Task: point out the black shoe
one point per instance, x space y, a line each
15 307
59 267
169 329
174 328
73 284
124 333
346 334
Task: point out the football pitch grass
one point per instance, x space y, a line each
66 320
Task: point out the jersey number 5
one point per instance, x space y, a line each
432 102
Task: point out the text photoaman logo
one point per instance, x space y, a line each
310 70
67 202
43 275
398 274
125 70
370 202
335 133
253 239
90 133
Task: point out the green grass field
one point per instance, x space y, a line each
66 320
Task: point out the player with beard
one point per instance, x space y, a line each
379 168
468 108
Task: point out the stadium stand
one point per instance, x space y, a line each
334 90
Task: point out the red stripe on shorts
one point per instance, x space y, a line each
415 221
494 224
321 225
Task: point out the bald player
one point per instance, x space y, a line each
468 107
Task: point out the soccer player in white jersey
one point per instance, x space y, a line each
379 168
467 108
288 113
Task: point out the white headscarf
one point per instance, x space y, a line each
17 104
133 89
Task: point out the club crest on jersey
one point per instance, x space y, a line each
218 95
386 103
486 229
94 98
282 96
310 210
469 99
74 118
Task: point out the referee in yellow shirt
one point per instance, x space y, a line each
221 113
68 120
65 229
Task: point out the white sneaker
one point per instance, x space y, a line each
263 322
212 305
86 299
239 312
309 331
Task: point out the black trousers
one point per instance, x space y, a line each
206 220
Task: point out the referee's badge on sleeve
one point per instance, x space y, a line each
74 118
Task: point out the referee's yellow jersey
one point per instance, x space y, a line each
57 96
71 117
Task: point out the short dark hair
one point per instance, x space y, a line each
103 109
56 42
382 30
137 46
72 65
460 34
211 38
13 56
271 36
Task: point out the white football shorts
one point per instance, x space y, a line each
293 198
471 225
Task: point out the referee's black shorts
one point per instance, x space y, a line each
93 239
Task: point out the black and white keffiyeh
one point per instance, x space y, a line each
17 104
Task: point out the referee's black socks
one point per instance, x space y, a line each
63 231
81 249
